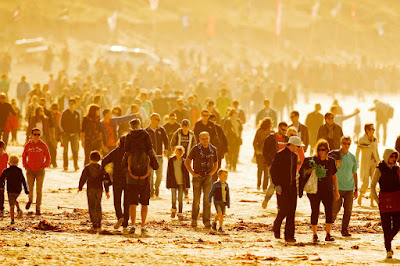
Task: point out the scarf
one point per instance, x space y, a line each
205 160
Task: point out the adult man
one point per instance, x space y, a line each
383 112
205 125
347 181
5 110
212 110
158 137
171 126
35 158
160 103
23 88
64 99
283 175
338 119
330 132
205 164
180 112
368 146
272 144
267 112
183 137
241 114
4 84
70 130
313 122
301 129
223 102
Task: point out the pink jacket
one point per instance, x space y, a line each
3 162
36 156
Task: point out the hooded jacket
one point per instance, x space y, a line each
387 175
15 180
95 178
36 156
271 147
283 170
115 157
367 149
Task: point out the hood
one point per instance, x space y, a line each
95 169
138 134
387 154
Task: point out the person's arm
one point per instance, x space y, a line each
306 139
165 141
211 194
274 172
174 141
122 119
60 122
83 179
375 179
345 117
26 189
46 156
24 157
355 185
3 179
336 195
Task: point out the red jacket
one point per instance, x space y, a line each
3 162
36 156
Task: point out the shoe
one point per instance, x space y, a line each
194 224
19 214
12 222
125 230
389 254
77 168
258 187
221 230
143 231
329 238
346 234
157 192
65 169
277 234
207 226
38 212
264 204
180 216
173 213
28 205
315 239
118 223
290 240
214 226
132 230
92 230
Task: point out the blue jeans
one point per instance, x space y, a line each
202 183
180 190
158 175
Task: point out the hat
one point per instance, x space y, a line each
185 122
295 140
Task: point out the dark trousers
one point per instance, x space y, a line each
94 204
287 203
88 149
4 135
326 197
1 200
52 151
73 139
117 194
233 155
262 168
215 175
345 200
390 225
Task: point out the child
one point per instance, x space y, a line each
15 180
3 165
177 179
220 192
95 178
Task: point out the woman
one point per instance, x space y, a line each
327 186
91 133
233 130
387 174
264 129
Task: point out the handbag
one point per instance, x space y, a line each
389 202
311 187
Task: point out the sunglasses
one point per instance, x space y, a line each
36 134
321 150
205 115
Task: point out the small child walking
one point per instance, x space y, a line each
95 178
220 193
15 180
177 180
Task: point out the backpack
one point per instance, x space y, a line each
389 111
138 163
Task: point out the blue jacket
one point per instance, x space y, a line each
216 192
115 122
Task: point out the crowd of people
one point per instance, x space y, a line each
126 133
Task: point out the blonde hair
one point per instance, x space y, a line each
13 159
180 148
221 171
291 131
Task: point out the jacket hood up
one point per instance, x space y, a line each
387 154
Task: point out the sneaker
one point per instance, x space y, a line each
65 169
76 168
28 205
157 192
143 231
221 230
277 234
389 254
19 214
258 187
315 239
329 238
214 226
346 234
118 223
173 213
264 204
38 212
132 230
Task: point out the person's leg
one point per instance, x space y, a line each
87 150
290 217
2 200
159 175
396 224
117 194
152 173
378 127
132 213
75 150
235 155
315 202
260 169
271 188
143 213
173 199
12 212
197 181
65 139
384 125
30 177
283 206
98 210
386 220
221 219
92 206
180 198
39 186
266 177
348 208
337 204
5 138
126 206
206 205
327 201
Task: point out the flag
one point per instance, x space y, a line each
336 9
353 13
153 4
112 21
211 26
185 21
17 14
380 29
278 18
314 10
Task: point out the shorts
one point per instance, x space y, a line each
12 198
138 191
220 207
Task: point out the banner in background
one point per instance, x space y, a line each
278 21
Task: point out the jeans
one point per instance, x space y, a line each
262 168
73 139
315 201
233 155
287 203
158 175
390 225
180 190
53 152
4 135
117 194
31 176
94 204
1 199
202 183
346 199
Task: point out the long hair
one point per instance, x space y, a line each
265 124
321 143
91 113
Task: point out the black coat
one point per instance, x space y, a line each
171 181
271 148
283 170
115 157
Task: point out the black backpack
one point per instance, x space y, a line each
138 163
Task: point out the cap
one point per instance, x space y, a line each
185 122
295 140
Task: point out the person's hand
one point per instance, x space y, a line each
107 195
166 153
279 192
196 175
355 194
336 196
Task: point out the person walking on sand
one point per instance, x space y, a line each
220 193
263 131
387 174
313 122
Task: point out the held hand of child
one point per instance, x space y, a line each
107 195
